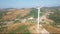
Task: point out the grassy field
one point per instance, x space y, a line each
51 29
21 30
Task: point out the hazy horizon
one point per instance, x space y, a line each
28 3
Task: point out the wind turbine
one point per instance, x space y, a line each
38 25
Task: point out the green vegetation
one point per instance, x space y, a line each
2 13
3 27
43 11
21 29
33 13
55 16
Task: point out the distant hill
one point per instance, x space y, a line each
25 12
52 7
10 14
53 15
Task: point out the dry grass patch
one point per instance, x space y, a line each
51 29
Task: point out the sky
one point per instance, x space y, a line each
28 3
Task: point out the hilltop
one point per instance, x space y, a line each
15 20
52 19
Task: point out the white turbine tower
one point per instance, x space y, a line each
40 30
38 18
